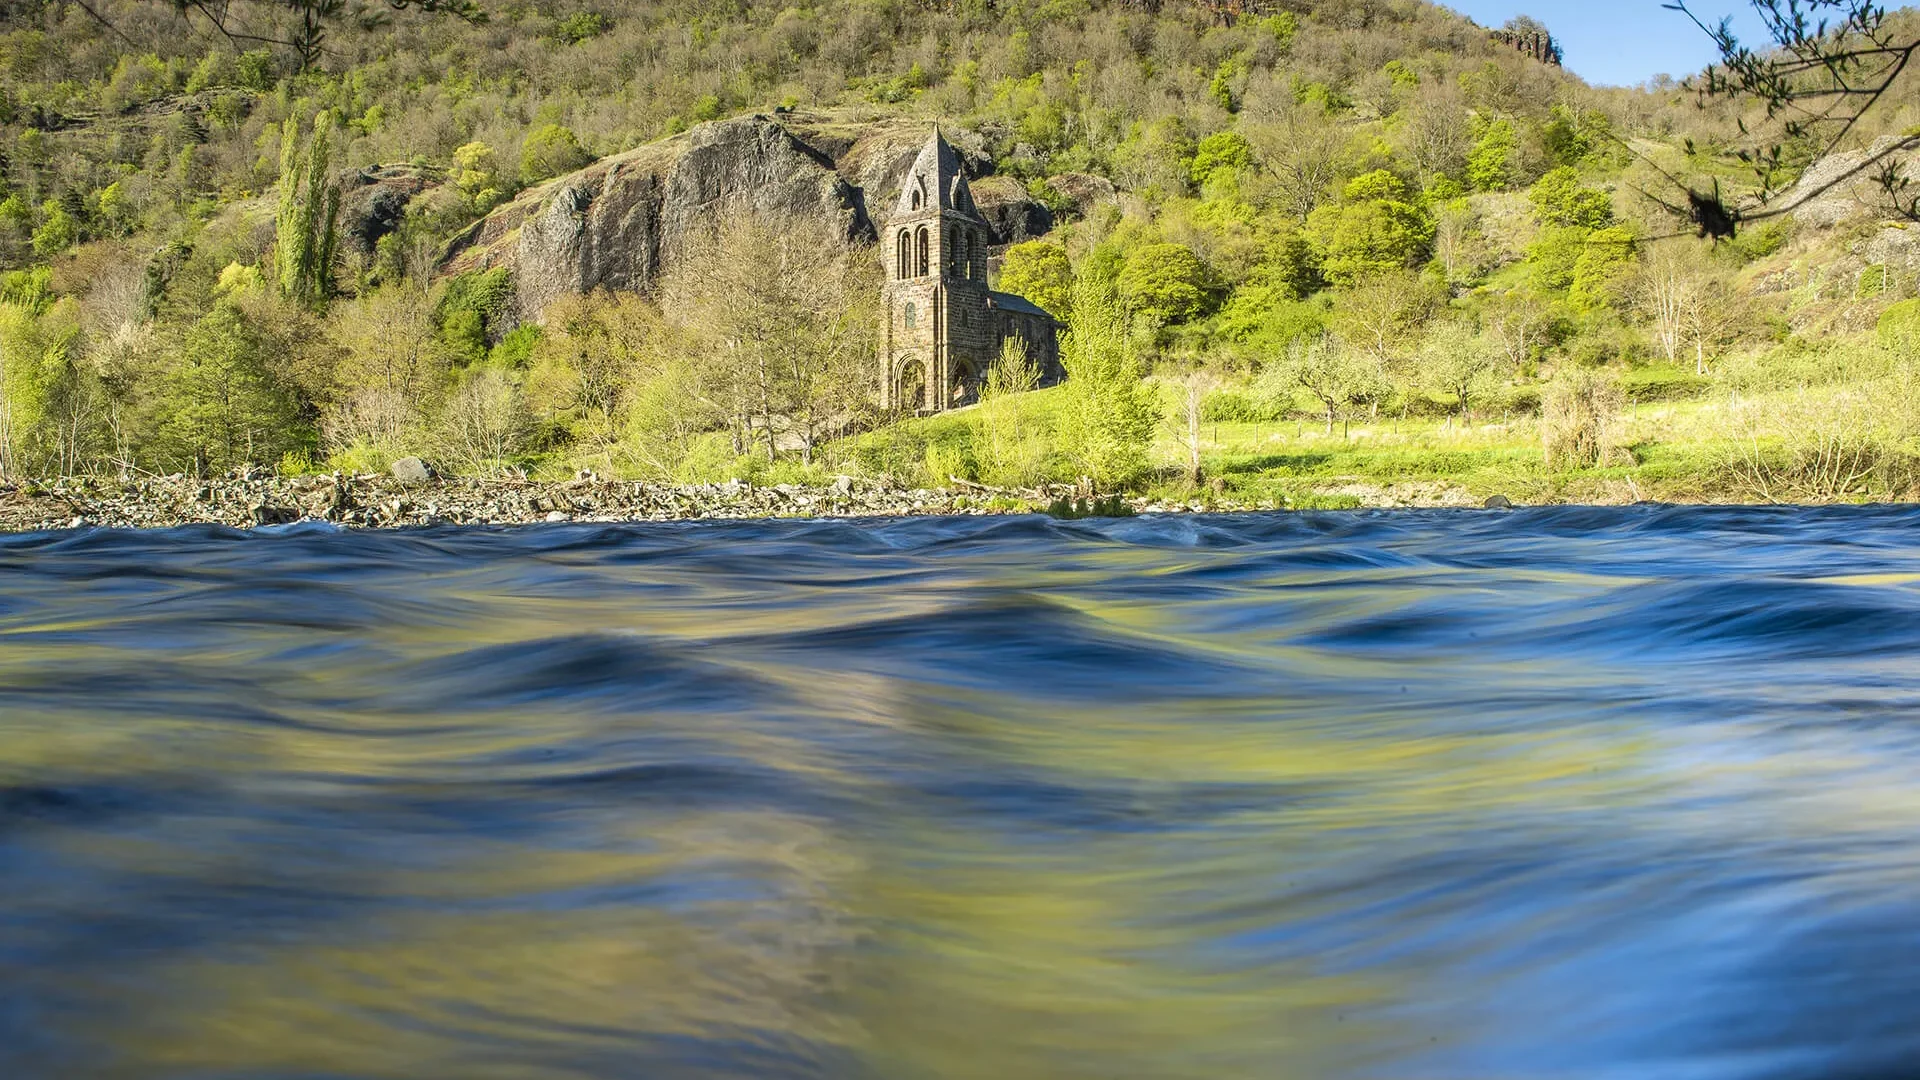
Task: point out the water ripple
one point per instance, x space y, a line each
1562 792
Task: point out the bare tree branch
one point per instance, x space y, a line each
1830 62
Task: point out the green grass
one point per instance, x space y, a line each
1676 440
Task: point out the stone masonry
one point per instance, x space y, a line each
945 327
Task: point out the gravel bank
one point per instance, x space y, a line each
382 501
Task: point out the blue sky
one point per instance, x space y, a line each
1622 42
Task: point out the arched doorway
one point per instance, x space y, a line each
910 385
964 389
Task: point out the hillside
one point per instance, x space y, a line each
1368 221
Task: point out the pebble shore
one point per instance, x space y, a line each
249 500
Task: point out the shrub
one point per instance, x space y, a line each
1523 400
1581 411
1011 446
1767 238
581 26
1561 202
1241 407
1069 509
1109 415
1899 326
948 460
1810 447
550 151
1873 281
1662 384
475 311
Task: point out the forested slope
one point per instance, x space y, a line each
242 243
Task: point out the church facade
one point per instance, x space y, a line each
944 326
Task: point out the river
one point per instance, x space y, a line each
1628 792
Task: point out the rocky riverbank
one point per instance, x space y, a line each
251 499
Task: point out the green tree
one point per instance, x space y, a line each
1165 283
1560 201
222 404
475 311
1604 261
58 230
581 26
116 214
16 214
1221 89
1376 230
1336 377
303 232
1552 255
550 151
1571 137
476 174
1010 447
1458 361
1039 270
1265 322
1222 150
1108 419
1493 164
253 70
1291 263
37 346
1265 311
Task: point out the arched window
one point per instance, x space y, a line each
908 316
922 266
904 256
916 197
969 253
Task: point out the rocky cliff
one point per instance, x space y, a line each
621 221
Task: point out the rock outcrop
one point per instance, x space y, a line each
1014 215
1084 191
622 221
1831 191
373 201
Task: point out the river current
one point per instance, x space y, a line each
1610 793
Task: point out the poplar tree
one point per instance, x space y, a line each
309 206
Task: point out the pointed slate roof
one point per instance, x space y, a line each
939 179
1010 302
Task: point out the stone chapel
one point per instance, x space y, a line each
945 327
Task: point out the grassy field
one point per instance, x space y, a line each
1669 450
1698 440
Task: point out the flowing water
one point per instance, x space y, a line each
1556 793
